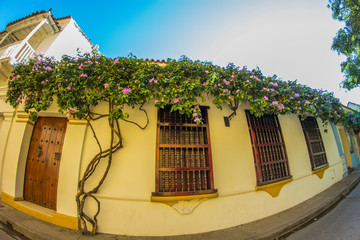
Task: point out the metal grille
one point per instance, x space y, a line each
183 155
269 151
314 142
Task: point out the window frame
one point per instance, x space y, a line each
208 170
309 141
270 150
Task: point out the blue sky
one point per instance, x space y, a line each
289 38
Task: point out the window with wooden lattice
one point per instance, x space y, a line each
183 155
314 143
271 162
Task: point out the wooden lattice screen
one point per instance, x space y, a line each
183 157
314 142
269 151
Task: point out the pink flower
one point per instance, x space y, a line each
116 61
42 82
232 76
59 84
206 71
80 65
126 90
14 77
151 80
68 88
119 88
10 89
156 101
105 85
297 95
247 80
71 112
176 100
197 120
226 82
155 81
237 91
266 98
275 103
83 75
135 81
194 114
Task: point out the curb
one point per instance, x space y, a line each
317 213
285 222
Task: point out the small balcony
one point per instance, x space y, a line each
17 53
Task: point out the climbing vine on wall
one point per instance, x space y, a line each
80 83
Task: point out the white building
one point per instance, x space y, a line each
37 33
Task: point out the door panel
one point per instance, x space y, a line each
42 168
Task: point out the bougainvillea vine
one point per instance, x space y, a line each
78 84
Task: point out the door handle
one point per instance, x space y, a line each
38 151
57 156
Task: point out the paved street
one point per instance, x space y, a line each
7 233
343 222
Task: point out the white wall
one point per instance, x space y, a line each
69 40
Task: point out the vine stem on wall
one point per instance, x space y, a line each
83 194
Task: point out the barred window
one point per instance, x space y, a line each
271 162
314 143
183 155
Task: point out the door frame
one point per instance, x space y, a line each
346 147
15 156
52 129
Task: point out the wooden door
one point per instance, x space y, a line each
43 162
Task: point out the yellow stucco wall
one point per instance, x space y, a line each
125 196
126 207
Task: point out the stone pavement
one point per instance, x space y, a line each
266 228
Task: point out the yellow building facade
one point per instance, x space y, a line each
128 206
